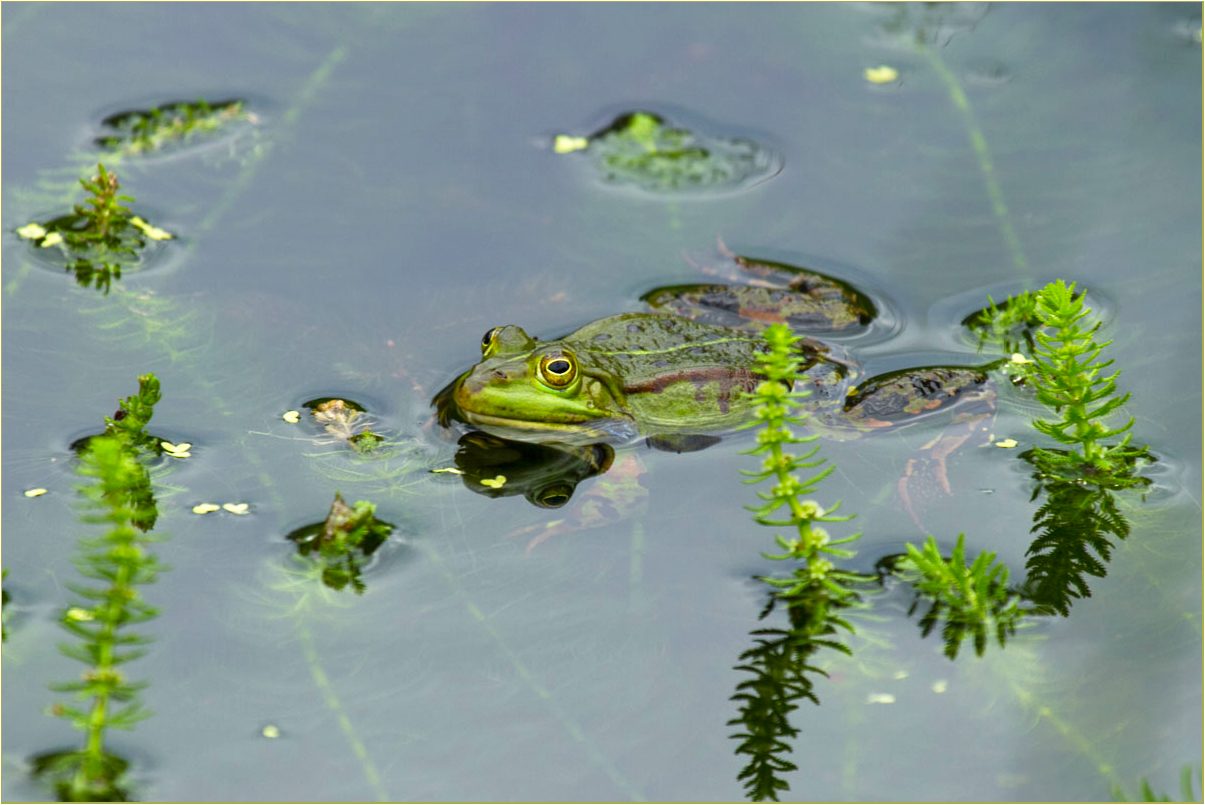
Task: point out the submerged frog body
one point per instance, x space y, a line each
632 374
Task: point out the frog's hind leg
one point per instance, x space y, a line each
927 472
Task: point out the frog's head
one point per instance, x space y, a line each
530 389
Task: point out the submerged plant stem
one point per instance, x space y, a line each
331 700
559 712
979 145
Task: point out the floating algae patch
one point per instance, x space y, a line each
172 125
647 151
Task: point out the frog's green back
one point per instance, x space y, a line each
676 373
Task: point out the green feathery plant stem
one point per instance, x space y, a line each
119 496
1067 376
1009 325
773 416
1073 528
1147 794
106 217
780 661
971 600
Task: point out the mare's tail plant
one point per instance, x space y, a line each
1008 325
1068 376
1074 528
1075 524
118 495
972 601
780 661
783 506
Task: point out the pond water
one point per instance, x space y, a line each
397 195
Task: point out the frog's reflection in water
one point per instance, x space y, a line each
545 473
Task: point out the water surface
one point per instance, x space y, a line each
398 198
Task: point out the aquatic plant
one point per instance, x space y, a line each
1008 325
119 496
1074 528
101 237
4 599
348 536
815 593
773 415
1080 515
1147 794
779 667
970 601
134 413
1066 374
139 131
643 149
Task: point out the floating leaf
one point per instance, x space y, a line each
32 231
152 232
205 508
270 731
36 492
567 143
53 239
883 74
176 450
453 470
292 416
494 483
1006 443
236 508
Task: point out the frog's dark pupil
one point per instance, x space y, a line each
558 367
485 339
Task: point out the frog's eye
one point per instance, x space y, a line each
487 340
552 497
558 369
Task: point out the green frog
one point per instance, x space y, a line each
679 373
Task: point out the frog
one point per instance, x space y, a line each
654 374
685 368
678 374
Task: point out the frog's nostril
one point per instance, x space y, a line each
498 373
